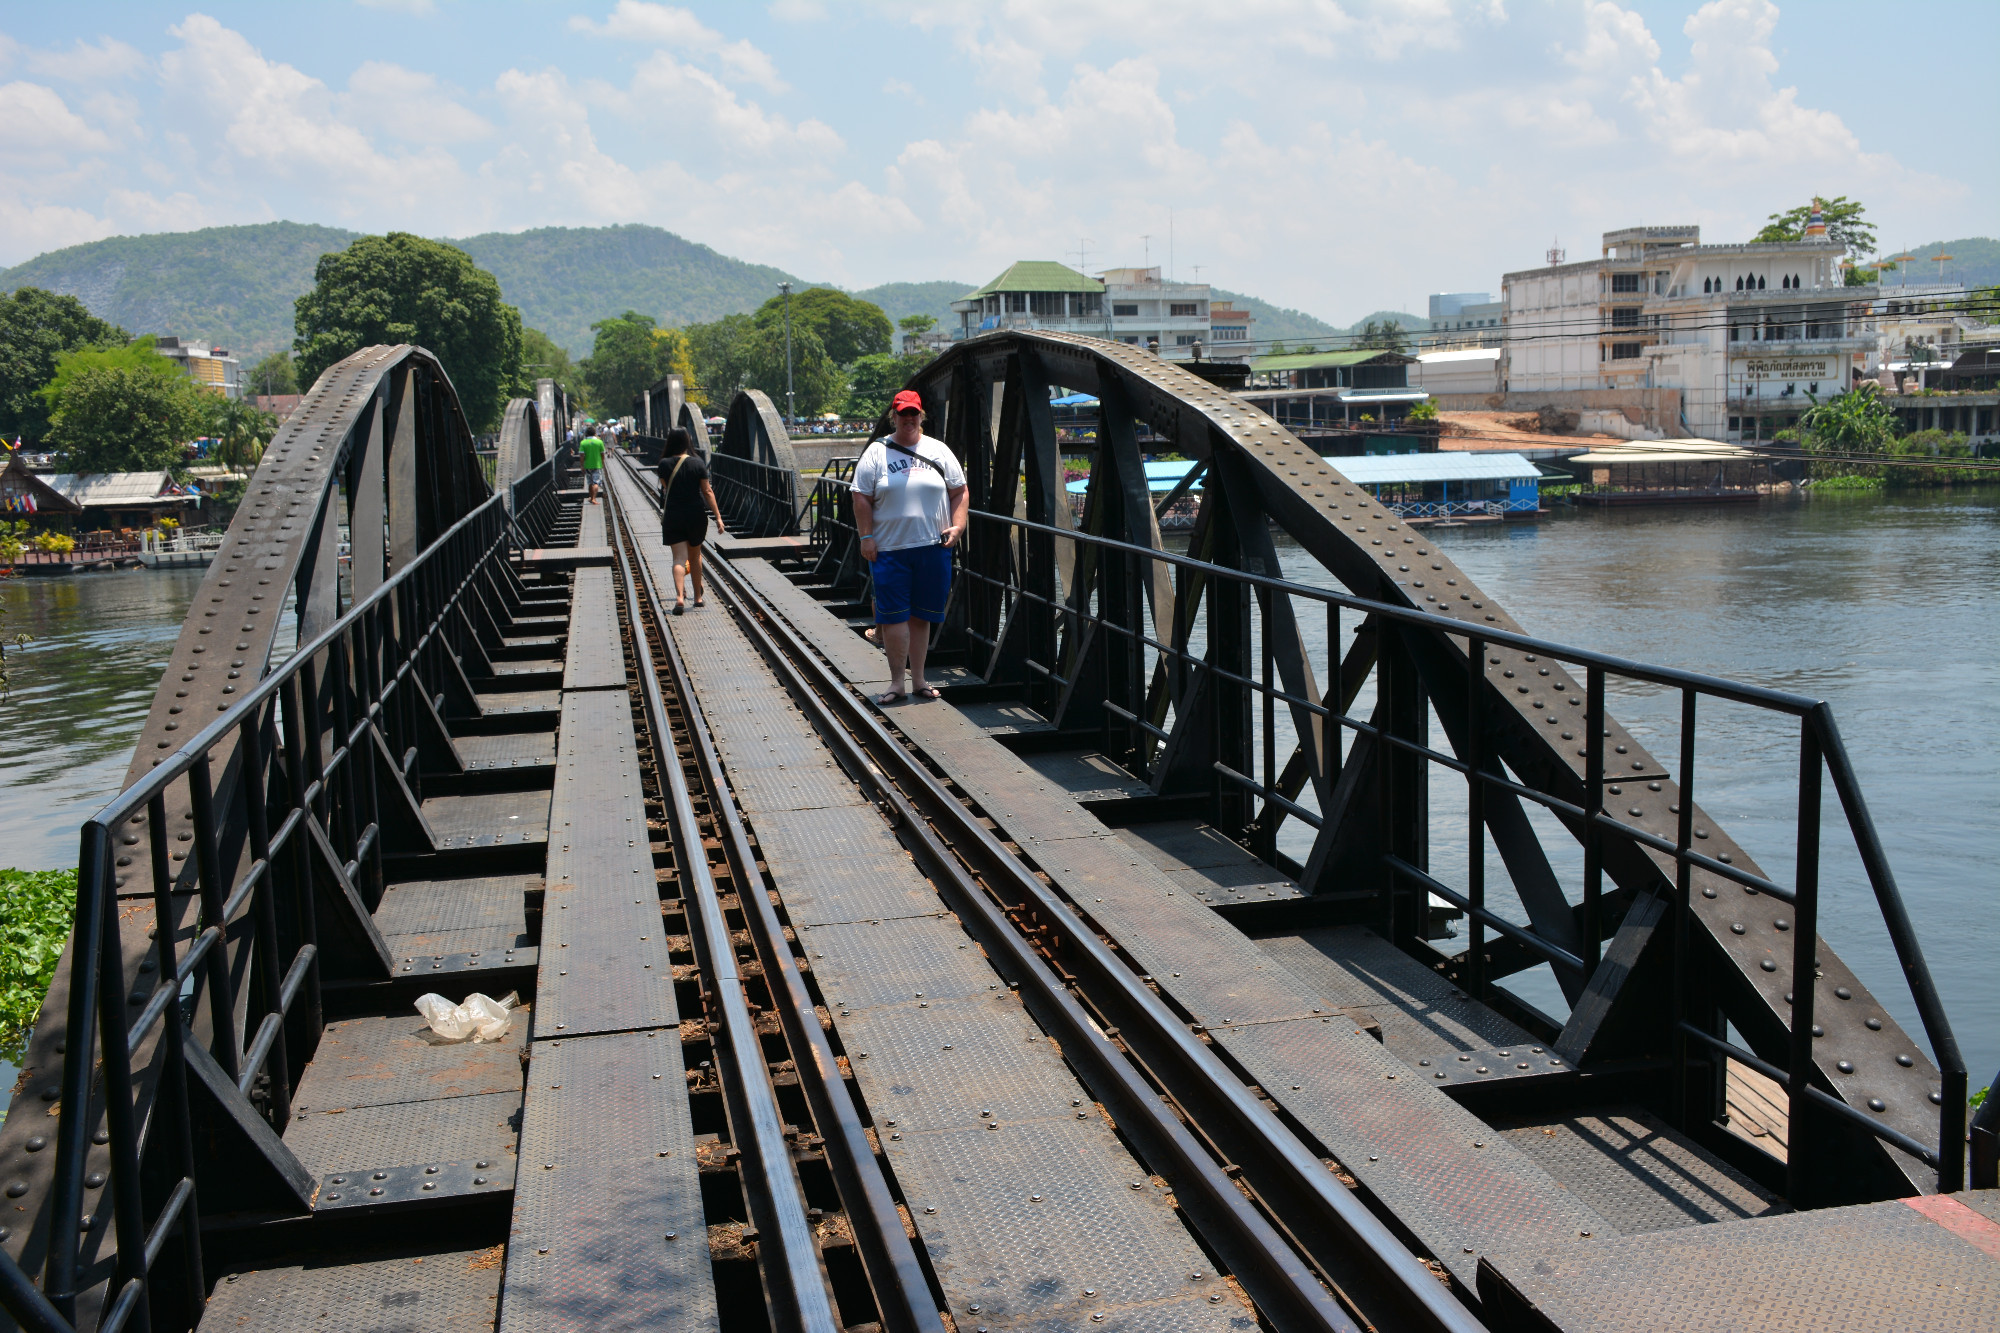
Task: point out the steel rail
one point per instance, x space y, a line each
794 1280
902 1288
1305 1198
1260 1257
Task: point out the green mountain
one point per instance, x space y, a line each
898 299
1268 322
1411 323
565 279
1975 261
230 285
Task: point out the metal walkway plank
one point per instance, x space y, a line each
595 656
384 1291
852 656
1458 1185
608 1230
1421 1012
1913 1265
604 960
1637 1172
450 916
934 1038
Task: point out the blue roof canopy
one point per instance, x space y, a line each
1379 470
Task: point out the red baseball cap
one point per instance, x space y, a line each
907 400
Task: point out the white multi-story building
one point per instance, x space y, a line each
1750 333
211 367
1132 305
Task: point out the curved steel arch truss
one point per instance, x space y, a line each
755 470
1036 610
380 445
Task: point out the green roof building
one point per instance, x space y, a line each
1131 305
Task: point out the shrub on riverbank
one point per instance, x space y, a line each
37 908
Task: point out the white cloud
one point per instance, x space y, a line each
679 31
108 61
41 129
409 105
29 229
420 8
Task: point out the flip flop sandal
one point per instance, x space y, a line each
892 697
929 692
680 608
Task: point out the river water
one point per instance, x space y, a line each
1884 605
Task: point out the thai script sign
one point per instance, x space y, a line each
1790 368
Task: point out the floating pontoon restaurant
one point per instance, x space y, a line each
1416 486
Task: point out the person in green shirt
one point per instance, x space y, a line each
592 449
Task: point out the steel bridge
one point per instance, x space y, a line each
1150 981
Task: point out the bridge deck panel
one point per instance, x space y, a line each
1880 1265
455 915
329 1138
453 1291
852 656
608 1231
604 962
1637 1173
1024 1264
1336 1081
495 819
1421 1012
509 750
595 657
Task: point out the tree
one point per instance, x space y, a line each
873 381
817 382
630 355
275 374
401 288
1387 335
1843 225
240 431
36 327
543 358
115 418
719 351
847 329
917 325
1855 422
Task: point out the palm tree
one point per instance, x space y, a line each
240 432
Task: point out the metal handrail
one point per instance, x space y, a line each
369 653
1822 748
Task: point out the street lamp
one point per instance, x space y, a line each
791 415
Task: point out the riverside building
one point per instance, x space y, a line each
1130 305
1749 333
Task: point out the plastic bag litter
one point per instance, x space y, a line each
480 1018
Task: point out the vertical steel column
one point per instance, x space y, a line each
1593 837
94 901
305 898
173 1073
1267 822
1683 911
1801 1141
214 896
127 1203
270 973
1475 813
1335 698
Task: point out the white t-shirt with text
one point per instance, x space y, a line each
910 502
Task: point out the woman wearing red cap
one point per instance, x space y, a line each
910 508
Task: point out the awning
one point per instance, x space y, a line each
1415 469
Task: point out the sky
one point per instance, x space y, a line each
1338 157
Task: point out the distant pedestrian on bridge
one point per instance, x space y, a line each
591 448
910 509
686 501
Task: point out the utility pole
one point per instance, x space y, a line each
791 415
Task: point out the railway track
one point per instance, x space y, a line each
1284 1224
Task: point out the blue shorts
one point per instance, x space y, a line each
915 581
593 476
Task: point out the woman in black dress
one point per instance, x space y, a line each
686 501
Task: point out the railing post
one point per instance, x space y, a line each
126 1201
264 918
94 903
1800 1142
1684 910
1593 837
1267 822
305 897
173 1074
1475 812
214 897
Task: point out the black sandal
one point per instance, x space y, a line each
929 692
680 608
892 697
